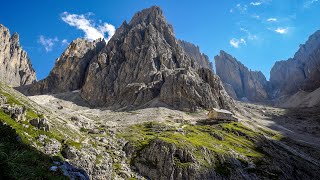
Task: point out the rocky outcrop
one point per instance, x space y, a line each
16 112
69 71
16 68
239 81
40 123
302 72
145 64
164 158
3 100
194 52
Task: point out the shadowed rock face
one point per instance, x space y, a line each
144 63
240 82
302 72
15 68
69 71
194 52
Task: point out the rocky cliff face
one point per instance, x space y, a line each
144 64
69 71
16 68
194 52
302 72
240 82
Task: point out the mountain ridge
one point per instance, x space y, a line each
16 68
143 64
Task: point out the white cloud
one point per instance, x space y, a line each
47 43
256 3
241 8
309 3
91 30
255 16
237 42
64 42
272 20
281 30
249 35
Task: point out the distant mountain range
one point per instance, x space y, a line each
287 78
144 64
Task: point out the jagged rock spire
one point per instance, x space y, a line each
16 68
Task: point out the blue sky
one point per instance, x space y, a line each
257 32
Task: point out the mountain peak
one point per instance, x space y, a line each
149 15
15 69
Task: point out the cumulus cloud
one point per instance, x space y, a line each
47 43
256 3
309 3
91 30
281 30
237 42
272 20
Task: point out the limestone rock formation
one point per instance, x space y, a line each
239 80
40 123
16 112
144 64
194 52
302 72
16 68
69 71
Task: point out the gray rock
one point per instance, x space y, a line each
69 71
240 80
194 52
145 65
3 100
69 152
96 164
73 172
16 112
50 146
300 72
54 168
41 124
16 68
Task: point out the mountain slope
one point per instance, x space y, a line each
194 52
240 82
16 68
144 63
302 72
70 69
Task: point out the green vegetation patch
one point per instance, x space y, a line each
233 136
21 161
219 140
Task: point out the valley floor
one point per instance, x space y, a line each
171 144
300 124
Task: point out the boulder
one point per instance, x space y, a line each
16 112
50 146
41 124
3 100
